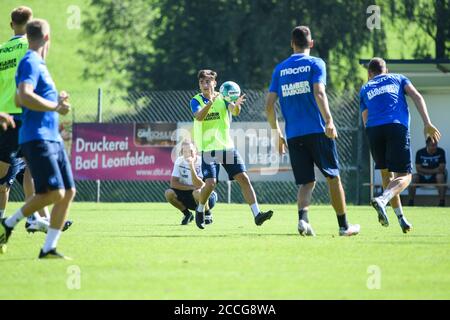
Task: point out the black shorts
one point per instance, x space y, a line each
390 147
187 199
429 178
310 149
9 144
49 165
231 160
15 171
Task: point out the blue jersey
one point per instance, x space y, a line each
293 81
384 98
38 125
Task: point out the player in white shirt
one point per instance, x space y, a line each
186 184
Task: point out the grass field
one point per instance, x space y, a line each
138 251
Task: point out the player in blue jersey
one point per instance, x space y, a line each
386 117
40 141
299 83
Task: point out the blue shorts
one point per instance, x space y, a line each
15 171
49 165
230 159
390 147
310 149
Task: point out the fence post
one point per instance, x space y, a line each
229 191
99 120
359 160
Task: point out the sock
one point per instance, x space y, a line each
14 219
303 215
342 221
398 212
186 212
386 196
255 209
51 240
201 207
2 213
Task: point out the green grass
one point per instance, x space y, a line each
138 251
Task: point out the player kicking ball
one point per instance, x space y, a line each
186 184
212 119
386 117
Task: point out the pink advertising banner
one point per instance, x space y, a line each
134 151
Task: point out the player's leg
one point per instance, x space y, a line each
208 206
171 198
412 189
440 178
28 190
398 160
183 201
48 184
235 167
60 209
4 187
210 169
324 153
302 165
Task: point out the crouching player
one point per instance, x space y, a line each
186 184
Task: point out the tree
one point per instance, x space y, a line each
162 44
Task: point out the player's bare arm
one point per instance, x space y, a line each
176 184
236 107
322 101
273 121
198 183
429 129
32 101
365 116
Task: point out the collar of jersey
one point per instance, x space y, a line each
17 37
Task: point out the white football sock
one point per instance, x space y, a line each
255 209
51 240
386 196
398 212
201 207
14 219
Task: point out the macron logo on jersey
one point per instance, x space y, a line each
390 88
289 71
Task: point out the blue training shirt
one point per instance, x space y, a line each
384 98
293 81
38 125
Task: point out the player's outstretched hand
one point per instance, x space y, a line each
330 130
240 101
6 121
432 132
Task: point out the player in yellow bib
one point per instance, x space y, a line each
212 119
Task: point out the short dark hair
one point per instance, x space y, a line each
301 36
377 66
203 74
430 141
37 29
21 15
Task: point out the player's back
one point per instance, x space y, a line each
293 81
384 98
11 52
